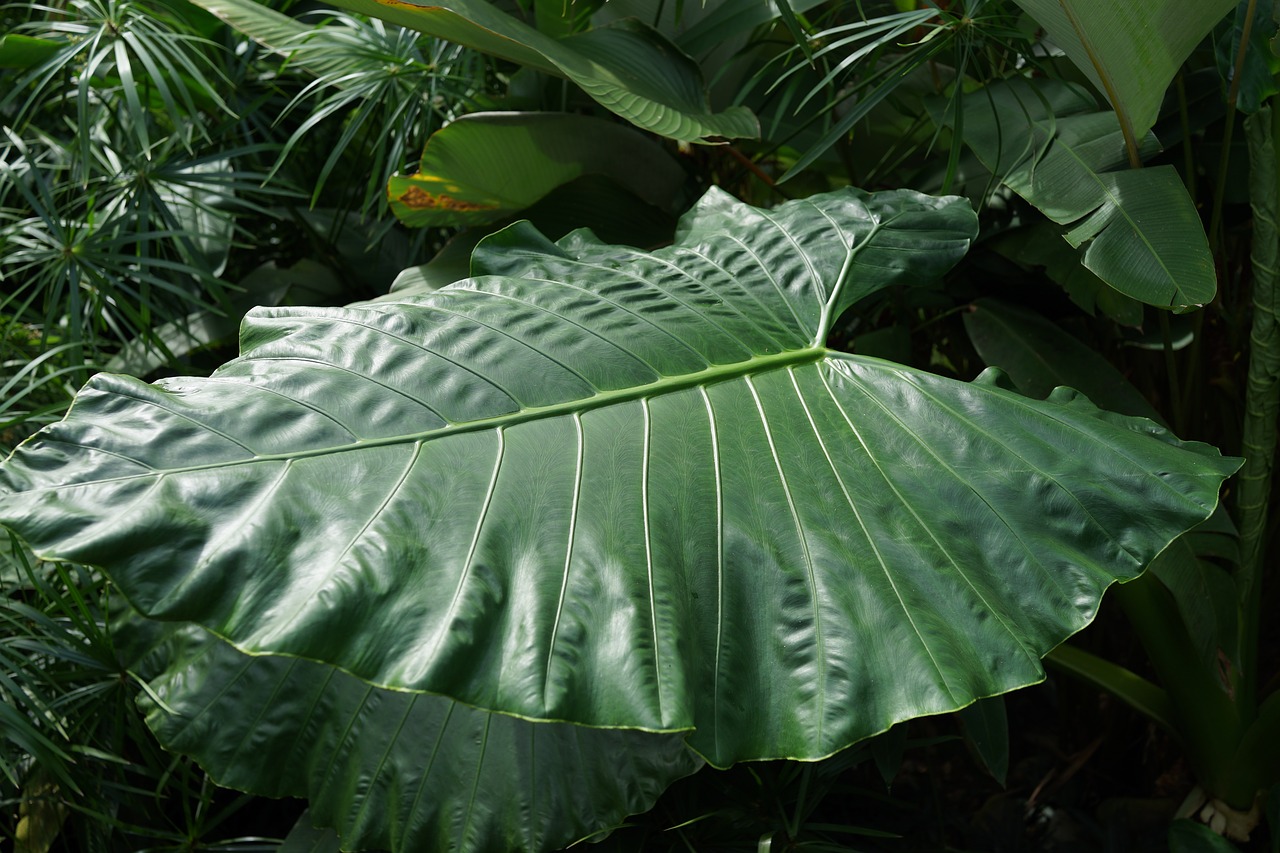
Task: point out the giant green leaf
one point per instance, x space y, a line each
1040 356
402 771
1130 51
624 489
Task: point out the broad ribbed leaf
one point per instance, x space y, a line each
1040 356
625 489
402 771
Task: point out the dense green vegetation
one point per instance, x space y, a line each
676 426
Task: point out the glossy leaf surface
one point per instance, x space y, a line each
1040 356
402 771
625 489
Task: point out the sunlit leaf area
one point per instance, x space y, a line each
473 426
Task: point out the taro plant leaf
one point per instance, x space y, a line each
306 838
1144 235
1039 356
485 166
399 771
626 489
1130 51
627 67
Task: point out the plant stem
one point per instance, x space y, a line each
1188 156
1262 399
1219 191
1171 368
752 167
1206 717
1259 750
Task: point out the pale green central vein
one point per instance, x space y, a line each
665 385
1108 84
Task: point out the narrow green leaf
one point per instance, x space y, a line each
1133 690
1205 595
887 749
788 17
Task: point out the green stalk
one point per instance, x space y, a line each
1262 398
1259 753
1205 715
1171 368
1188 156
1191 379
1215 220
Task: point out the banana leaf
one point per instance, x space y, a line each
1143 233
1130 51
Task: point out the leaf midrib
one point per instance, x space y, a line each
664 385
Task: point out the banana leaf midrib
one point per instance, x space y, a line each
664 385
